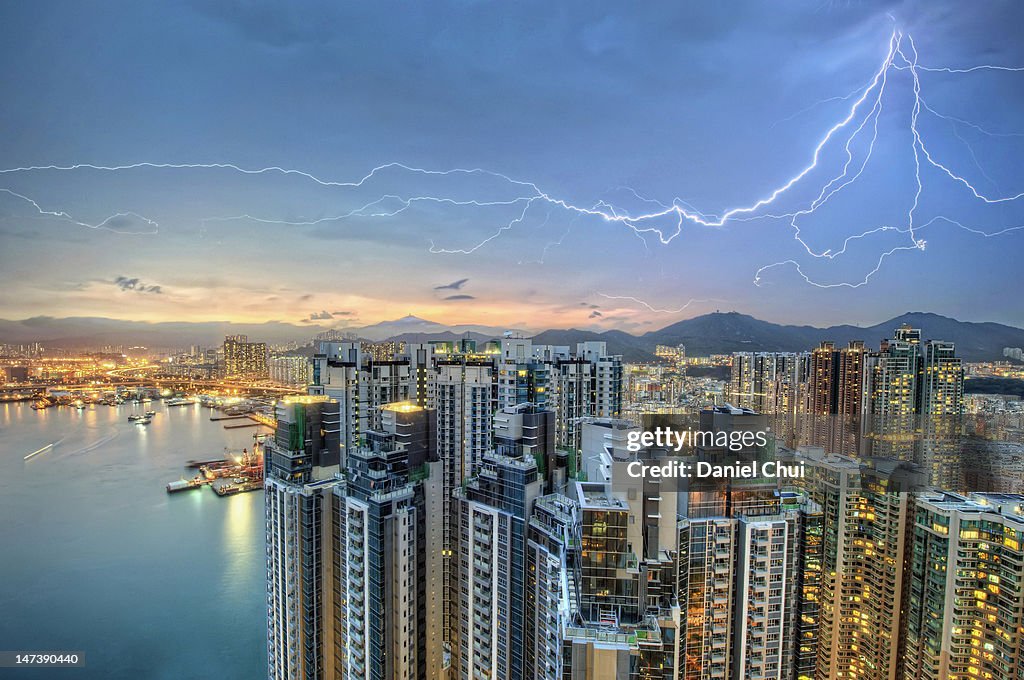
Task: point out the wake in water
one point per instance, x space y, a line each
44 449
85 449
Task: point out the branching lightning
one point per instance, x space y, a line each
857 127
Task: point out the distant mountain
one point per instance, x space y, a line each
733 332
445 336
73 332
717 333
413 326
629 346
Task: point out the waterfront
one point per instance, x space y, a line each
98 558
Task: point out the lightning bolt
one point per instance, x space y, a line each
650 307
104 224
665 221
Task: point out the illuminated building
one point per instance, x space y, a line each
674 355
243 358
965 602
865 512
836 390
890 401
382 351
769 382
824 379
286 369
942 407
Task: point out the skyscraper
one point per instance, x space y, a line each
488 634
300 461
965 602
387 555
865 511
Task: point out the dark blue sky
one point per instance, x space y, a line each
715 105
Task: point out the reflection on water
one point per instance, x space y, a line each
146 584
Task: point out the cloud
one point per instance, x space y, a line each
454 285
589 305
322 316
460 297
135 284
594 314
346 313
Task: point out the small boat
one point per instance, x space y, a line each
150 414
143 421
184 485
135 417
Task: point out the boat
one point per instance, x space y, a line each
144 420
150 414
184 485
134 417
202 463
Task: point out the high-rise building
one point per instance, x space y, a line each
587 384
749 556
291 370
387 556
490 513
244 359
300 461
824 379
891 394
464 396
965 599
361 385
522 376
865 511
553 537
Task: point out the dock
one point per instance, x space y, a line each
244 415
232 489
185 485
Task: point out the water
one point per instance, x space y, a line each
96 557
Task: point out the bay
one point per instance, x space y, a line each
96 557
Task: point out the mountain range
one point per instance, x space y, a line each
717 333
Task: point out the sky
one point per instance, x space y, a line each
549 131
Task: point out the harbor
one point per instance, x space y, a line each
227 476
102 486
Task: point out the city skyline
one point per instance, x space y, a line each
700 107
